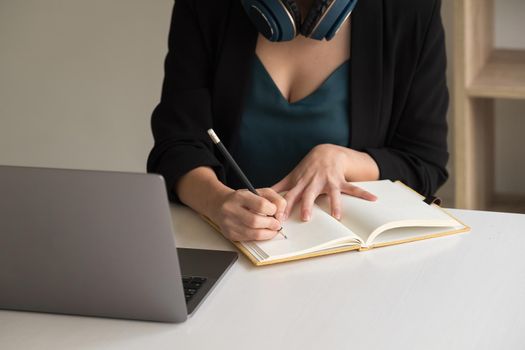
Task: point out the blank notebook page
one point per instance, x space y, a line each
322 230
396 203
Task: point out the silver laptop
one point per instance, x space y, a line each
97 244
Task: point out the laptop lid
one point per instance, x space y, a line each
88 243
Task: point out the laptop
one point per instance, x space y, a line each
97 243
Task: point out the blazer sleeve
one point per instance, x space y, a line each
417 152
180 121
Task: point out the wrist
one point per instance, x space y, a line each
201 190
217 195
360 166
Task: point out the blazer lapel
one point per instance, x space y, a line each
233 72
366 72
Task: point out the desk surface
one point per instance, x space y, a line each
460 292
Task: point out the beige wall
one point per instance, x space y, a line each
79 79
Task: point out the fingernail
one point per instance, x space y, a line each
306 216
337 215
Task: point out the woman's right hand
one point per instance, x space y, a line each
244 216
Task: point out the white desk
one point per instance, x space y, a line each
459 292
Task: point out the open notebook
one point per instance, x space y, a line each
399 215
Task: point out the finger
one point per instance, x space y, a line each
335 202
230 227
252 220
257 204
282 185
308 199
276 199
292 197
355 191
250 234
234 236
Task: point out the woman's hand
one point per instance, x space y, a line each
244 216
327 170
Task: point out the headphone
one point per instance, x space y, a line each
280 20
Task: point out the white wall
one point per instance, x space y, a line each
79 80
510 26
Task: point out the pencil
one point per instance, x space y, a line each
236 167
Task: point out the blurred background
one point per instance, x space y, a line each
79 80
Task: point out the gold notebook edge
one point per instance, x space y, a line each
308 255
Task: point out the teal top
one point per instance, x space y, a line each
275 134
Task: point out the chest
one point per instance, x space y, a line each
300 66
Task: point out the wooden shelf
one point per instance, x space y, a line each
482 74
508 203
502 76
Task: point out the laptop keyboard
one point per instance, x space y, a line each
191 285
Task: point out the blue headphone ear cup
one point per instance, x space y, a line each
292 6
341 11
326 17
274 19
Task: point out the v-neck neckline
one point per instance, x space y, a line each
307 97
367 70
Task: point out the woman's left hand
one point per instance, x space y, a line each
326 169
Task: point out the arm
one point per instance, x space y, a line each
417 153
180 121
201 190
183 152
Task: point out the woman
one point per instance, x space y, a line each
300 115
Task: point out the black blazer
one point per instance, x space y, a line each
399 95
